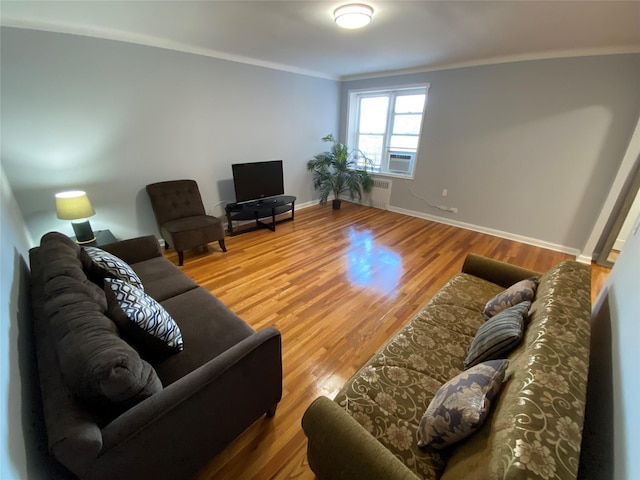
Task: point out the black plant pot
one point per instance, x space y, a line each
336 204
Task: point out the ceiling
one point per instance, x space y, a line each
300 36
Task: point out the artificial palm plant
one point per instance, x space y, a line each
336 172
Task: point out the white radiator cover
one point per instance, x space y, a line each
380 193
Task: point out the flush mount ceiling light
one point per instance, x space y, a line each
353 15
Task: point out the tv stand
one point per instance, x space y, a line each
260 209
265 201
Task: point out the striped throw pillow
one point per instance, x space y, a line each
498 335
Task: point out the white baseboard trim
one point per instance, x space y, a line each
618 244
490 231
582 258
310 203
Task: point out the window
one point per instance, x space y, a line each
385 125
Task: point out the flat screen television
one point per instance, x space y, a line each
257 180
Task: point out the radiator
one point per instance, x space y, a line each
380 194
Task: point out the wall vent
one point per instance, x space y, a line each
380 193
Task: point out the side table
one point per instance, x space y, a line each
102 238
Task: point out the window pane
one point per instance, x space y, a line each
407 124
373 114
371 146
384 120
404 142
410 104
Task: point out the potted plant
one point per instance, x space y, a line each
337 171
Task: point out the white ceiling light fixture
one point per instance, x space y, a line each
353 15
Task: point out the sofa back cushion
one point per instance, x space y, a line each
96 364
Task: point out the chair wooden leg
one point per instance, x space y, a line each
180 258
222 246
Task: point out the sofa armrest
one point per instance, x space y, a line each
179 429
340 448
495 271
73 437
135 250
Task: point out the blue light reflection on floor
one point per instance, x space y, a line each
371 265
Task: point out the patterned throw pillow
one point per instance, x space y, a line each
461 405
498 335
141 317
107 265
516 293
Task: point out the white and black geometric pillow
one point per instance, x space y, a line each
111 266
142 318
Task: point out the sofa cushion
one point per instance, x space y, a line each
162 279
499 335
207 330
61 257
466 291
388 401
516 293
143 319
461 405
96 364
101 264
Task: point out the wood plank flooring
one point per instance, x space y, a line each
338 285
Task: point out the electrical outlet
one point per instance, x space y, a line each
444 192
453 210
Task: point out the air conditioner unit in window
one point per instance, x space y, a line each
400 162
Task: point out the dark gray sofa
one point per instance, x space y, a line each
172 412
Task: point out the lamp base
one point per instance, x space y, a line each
83 231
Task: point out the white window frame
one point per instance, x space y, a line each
353 117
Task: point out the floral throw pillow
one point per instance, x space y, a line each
499 335
142 318
461 405
516 293
106 265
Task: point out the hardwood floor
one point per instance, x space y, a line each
338 285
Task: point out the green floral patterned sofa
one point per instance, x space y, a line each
534 427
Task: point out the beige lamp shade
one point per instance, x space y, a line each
73 205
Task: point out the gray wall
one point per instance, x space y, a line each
528 149
14 245
110 117
612 421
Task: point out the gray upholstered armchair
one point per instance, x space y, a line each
181 217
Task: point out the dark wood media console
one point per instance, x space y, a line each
257 210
